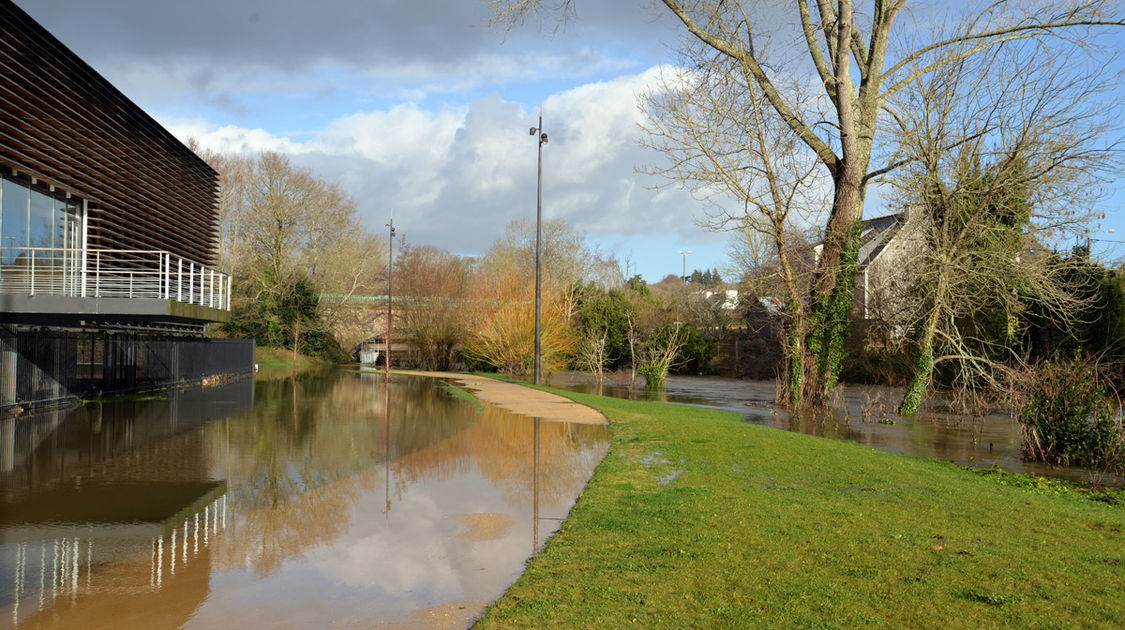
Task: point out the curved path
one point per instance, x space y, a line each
520 399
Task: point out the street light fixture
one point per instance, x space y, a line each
538 237
390 296
684 253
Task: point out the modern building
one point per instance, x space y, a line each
108 233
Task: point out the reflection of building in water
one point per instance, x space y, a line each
58 445
114 499
57 575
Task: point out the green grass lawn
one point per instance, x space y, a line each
695 519
273 362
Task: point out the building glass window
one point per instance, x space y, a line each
15 200
35 216
40 220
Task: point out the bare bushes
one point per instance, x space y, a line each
658 354
1069 416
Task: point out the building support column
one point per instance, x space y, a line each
8 373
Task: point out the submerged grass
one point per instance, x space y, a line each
462 394
695 519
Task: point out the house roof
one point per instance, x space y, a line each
876 234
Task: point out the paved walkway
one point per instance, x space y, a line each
519 399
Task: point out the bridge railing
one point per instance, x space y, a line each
116 273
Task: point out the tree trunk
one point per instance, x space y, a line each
833 292
920 378
924 358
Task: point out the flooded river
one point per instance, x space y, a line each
862 414
325 501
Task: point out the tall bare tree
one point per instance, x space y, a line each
859 58
726 144
279 223
568 262
436 314
1006 152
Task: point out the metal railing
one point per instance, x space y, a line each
111 273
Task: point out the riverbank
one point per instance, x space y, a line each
279 362
697 519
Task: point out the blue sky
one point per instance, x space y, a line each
421 109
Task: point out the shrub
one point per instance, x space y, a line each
1069 417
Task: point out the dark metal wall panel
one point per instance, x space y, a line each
45 366
64 123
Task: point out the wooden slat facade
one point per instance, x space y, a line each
63 123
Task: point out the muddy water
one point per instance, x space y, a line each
315 502
862 414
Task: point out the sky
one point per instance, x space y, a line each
421 110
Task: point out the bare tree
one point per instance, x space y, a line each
435 317
567 261
591 356
280 224
834 41
658 354
1006 151
726 144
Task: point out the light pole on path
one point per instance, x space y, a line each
390 294
538 237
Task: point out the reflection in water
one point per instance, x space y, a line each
535 493
207 511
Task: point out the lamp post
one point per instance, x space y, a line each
684 253
390 294
538 237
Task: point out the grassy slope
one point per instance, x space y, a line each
273 359
764 528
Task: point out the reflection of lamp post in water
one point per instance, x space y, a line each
387 447
535 493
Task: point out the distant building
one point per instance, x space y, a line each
108 233
887 265
726 298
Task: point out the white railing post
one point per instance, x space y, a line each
82 275
128 274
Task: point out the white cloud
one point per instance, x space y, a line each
232 139
455 177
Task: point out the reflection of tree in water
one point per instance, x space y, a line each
294 459
312 446
262 539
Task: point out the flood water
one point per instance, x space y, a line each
323 501
863 414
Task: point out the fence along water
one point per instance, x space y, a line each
45 366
